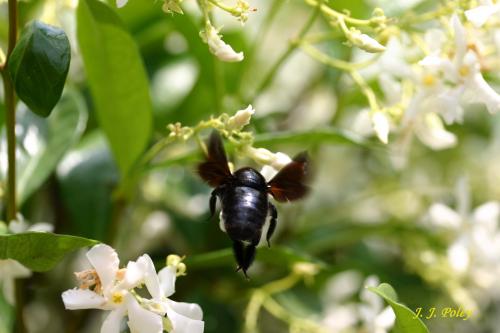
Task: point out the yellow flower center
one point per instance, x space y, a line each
429 80
117 297
464 71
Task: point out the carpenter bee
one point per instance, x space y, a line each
244 197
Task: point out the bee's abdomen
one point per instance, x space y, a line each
244 210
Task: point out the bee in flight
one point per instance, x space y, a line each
244 197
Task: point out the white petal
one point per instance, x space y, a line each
219 48
460 37
167 278
105 261
448 105
385 319
280 160
14 269
121 3
458 256
486 216
241 118
150 278
190 310
134 275
390 87
268 172
75 299
183 324
366 43
142 320
481 92
445 217
374 301
479 15
434 39
41 227
433 134
381 126
113 321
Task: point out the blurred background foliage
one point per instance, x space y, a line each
362 216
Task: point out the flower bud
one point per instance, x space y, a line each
364 42
172 6
240 119
217 46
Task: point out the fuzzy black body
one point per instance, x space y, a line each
245 206
244 197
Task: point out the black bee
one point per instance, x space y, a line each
244 197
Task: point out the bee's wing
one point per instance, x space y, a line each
215 168
289 182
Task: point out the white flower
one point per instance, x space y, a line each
218 47
240 119
479 15
112 291
474 249
375 317
381 126
342 314
273 162
9 271
107 287
184 317
463 71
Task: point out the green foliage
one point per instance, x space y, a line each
39 65
55 136
40 251
6 315
87 176
117 81
406 321
311 137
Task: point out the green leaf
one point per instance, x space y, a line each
40 251
87 176
117 79
53 137
39 65
6 315
317 136
406 320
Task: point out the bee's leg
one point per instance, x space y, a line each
213 201
245 254
272 223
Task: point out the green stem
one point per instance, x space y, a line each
260 36
268 78
10 115
336 15
224 7
10 123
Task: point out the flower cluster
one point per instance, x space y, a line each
232 128
473 244
428 80
209 34
341 314
107 287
